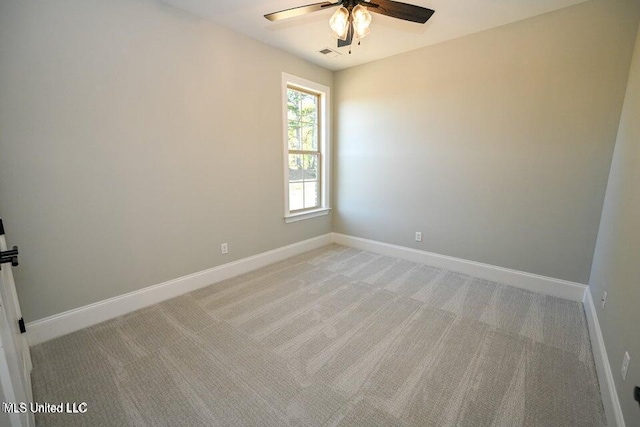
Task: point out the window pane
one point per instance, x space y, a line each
309 108
310 167
296 171
293 104
296 196
292 111
294 135
310 194
309 134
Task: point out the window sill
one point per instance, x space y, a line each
306 215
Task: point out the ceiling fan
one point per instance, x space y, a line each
352 19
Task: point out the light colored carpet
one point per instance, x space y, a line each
333 337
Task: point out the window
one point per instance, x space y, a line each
306 148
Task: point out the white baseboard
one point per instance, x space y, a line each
520 279
610 400
73 320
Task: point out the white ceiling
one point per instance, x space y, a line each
305 35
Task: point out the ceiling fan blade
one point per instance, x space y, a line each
396 9
297 11
349 40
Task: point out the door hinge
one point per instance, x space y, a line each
23 328
9 256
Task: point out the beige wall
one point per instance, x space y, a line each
134 139
496 146
616 267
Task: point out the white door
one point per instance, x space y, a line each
15 360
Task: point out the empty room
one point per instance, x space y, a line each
348 213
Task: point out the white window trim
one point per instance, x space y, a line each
299 216
325 144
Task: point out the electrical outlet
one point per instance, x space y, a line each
418 236
625 365
604 299
224 248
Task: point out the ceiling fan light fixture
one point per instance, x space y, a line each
339 23
361 21
360 34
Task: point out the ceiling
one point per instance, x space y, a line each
305 36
